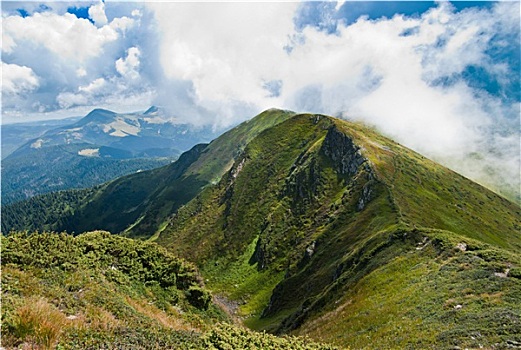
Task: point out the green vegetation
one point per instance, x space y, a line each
97 290
227 337
423 291
315 205
43 212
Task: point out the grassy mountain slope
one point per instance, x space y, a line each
97 291
420 291
316 205
140 203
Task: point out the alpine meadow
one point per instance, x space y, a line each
297 175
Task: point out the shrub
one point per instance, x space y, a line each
198 297
515 272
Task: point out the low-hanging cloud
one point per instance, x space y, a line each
405 75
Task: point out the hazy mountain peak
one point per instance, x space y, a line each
152 110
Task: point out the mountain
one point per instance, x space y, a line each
316 226
17 134
325 228
140 133
99 147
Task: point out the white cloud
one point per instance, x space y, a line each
122 24
17 79
68 36
97 14
68 53
94 87
227 50
128 67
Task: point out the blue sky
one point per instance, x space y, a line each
440 77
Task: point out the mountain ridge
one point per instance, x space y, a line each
331 206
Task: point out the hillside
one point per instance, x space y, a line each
99 147
321 217
312 225
102 291
56 168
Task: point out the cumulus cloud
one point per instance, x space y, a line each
65 35
95 87
68 53
128 67
97 14
17 79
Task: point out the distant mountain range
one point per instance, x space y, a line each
17 134
305 224
96 148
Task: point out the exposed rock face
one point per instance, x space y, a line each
303 182
259 255
230 186
365 197
343 152
348 160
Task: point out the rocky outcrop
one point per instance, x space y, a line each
343 152
259 255
365 197
303 182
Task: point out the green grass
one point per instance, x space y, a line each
60 289
240 281
411 300
97 291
